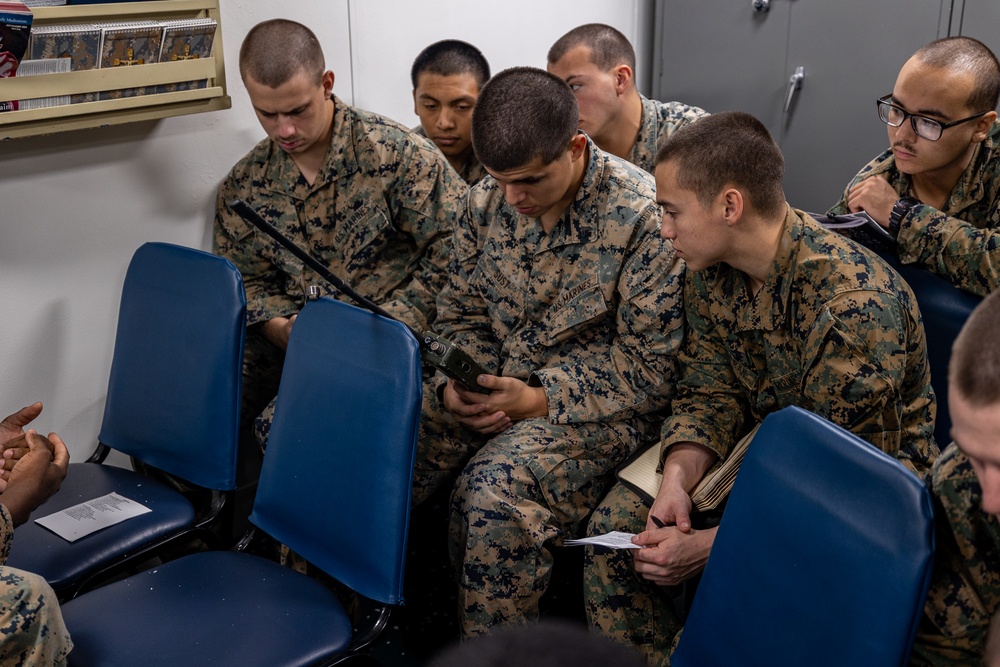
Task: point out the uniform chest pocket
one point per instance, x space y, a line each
504 300
363 236
582 311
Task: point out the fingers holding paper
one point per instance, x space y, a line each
671 555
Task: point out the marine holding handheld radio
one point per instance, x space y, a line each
560 285
375 203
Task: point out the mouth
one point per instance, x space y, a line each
289 146
526 210
903 152
446 141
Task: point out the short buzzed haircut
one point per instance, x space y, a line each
967 54
731 148
523 113
974 369
450 57
275 51
608 47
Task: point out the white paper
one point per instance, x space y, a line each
614 539
80 520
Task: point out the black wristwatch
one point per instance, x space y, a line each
899 211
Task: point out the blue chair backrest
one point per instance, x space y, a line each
823 556
336 480
944 308
174 392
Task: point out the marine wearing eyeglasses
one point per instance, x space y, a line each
937 187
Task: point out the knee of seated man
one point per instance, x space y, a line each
25 595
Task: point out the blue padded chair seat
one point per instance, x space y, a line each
302 617
823 556
63 563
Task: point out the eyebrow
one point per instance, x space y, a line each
288 112
920 112
469 99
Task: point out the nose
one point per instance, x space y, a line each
514 194
286 128
446 119
904 132
667 231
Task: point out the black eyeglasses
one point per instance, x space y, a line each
925 127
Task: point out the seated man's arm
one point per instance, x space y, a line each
966 254
463 317
36 476
865 369
674 552
237 241
951 247
709 413
426 201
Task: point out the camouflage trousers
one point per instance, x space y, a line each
32 632
262 364
620 604
517 493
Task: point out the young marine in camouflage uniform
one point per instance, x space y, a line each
447 77
937 188
598 63
779 312
368 198
965 481
562 288
32 632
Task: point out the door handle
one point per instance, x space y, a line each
794 85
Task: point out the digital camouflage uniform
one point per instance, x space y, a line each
833 330
472 171
591 312
965 586
32 632
961 242
380 215
659 120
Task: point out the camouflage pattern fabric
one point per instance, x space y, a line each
32 632
619 603
472 171
590 312
961 242
833 330
965 586
380 215
659 120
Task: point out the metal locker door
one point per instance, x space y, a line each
850 52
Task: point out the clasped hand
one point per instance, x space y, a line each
509 400
674 552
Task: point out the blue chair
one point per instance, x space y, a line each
335 487
823 556
944 308
173 402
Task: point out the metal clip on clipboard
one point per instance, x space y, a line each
438 351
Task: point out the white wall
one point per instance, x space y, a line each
75 206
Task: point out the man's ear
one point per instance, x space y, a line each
327 81
577 146
623 78
983 125
731 200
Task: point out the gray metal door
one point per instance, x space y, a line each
725 54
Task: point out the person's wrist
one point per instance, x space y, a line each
900 210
